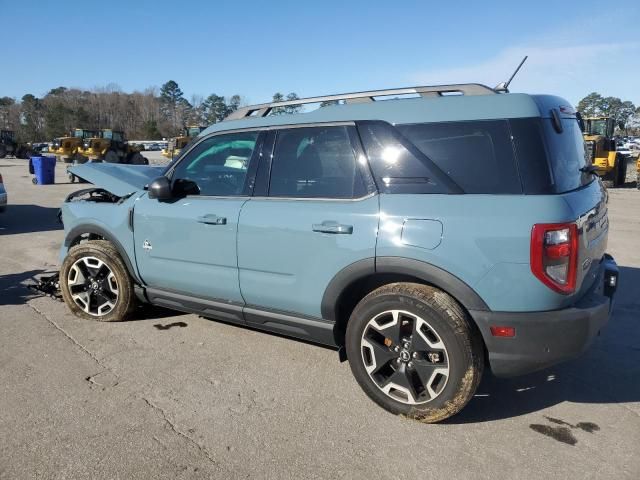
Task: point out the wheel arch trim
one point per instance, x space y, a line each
426 272
82 229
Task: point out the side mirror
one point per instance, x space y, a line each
160 189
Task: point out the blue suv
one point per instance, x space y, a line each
424 237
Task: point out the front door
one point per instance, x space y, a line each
188 246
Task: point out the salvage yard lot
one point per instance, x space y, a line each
169 395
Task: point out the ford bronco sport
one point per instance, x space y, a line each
425 237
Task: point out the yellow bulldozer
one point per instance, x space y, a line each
65 149
601 150
110 146
176 144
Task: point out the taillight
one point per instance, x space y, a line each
554 255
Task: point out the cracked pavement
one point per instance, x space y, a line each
203 399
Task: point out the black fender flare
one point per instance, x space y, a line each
78 230
426 272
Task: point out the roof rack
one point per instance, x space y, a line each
263 109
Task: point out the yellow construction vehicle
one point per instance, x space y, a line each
65 149
601 150
110 146
176 144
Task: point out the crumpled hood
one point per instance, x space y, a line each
118 179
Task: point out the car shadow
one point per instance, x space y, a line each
28 219
607 373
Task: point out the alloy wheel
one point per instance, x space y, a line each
93 286
405 357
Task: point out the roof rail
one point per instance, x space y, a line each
263 109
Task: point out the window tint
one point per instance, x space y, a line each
218 165
398 166
477 155
315 162
528 140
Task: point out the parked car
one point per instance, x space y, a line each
3 196
425 238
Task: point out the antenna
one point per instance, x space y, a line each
504 86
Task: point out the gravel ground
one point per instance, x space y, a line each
178 396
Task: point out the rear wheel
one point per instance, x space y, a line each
414 352
621 171
95 282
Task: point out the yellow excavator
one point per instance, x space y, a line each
65 149
601 150
110 146
176 144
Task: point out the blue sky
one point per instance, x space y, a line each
313 48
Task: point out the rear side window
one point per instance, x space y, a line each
549 161
315 162
477 155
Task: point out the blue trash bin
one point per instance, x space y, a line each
44 169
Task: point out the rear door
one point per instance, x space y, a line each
314 212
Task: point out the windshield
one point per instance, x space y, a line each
597 127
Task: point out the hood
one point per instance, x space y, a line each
118 179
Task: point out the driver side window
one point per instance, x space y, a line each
218 165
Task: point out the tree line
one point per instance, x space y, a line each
150 115
624 113
160 113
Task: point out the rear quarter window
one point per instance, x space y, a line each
477 155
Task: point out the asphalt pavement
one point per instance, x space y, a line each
168 395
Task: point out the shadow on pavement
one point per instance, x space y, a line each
607 373
12 288
28 218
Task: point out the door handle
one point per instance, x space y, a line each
329 226
212 219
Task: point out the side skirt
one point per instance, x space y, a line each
284 323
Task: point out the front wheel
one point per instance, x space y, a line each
414 351
95 282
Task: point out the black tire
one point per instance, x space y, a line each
621 171
98 252
442 318
72 177
3 151
34 181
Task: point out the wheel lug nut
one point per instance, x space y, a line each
410 364
415 355
398 360
396 349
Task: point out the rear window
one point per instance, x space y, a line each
477 155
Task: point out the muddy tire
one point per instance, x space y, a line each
95 283
414 351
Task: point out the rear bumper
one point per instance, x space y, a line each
546 338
